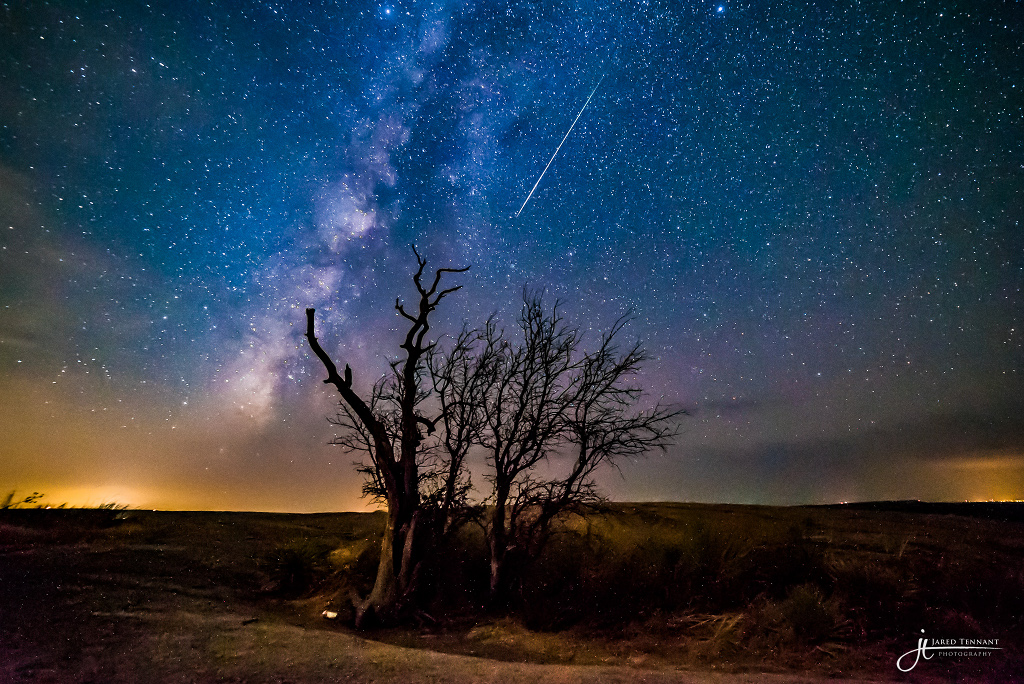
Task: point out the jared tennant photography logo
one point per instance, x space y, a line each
946 648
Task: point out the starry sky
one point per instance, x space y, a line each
813 212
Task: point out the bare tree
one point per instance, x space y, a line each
388 426
543 396
460 377
520 401
524 414
602 424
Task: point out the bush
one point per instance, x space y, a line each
989 590
883 595
805 617
603 581
9 502
297 569
553 589
808 615
457 576
703 570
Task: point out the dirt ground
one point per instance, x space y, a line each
176 597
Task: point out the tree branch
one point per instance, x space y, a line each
344 384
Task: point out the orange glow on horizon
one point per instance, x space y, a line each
994 476
169 500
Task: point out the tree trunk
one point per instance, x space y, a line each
381 602
498 543
396 571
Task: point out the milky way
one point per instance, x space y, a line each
813 214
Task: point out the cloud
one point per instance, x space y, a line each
62 298
982 461
88 447
913 459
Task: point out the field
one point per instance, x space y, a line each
632 593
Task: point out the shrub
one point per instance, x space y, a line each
457 577
297 569
804 617
553 590
777 566
703 569
883 595
807 613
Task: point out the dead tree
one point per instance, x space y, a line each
394 449
548 397
460 377
602 424
524 413
355 437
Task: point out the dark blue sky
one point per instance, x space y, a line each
813 212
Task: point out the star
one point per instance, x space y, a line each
832 241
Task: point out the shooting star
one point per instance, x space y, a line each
560 145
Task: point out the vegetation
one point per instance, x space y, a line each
521 400
643 590
685 584
736 586
538 395
387 428
10 502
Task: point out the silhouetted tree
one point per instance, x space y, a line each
525 416
460 377
521 402
388 426
541 396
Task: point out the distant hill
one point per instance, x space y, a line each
1007 511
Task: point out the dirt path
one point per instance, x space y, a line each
226 647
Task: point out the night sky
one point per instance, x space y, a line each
813 212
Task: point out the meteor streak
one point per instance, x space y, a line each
560 145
